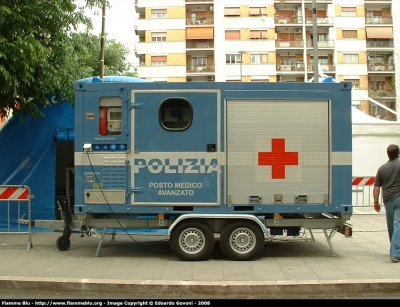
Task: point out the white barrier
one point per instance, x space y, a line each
11 195
363 199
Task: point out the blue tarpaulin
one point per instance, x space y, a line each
28 154
28 157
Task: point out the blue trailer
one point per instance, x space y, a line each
212 161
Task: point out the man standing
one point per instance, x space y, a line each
388 178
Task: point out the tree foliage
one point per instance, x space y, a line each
85 51
39 51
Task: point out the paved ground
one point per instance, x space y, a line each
143 266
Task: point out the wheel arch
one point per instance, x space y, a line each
219 217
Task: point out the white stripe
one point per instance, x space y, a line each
99 158
17 193
341 158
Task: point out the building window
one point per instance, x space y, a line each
322 37
159 13
175 114
158 36
348 12
374 17
376 85
350 58
232 58
355 83
199 62
158 63
232 35
349 34
259 58
323 60
232 11
255 11
264 34
255 34
287 60
258 34
376 60
158 60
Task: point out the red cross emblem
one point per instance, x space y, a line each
278 158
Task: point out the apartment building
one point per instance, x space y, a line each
272 41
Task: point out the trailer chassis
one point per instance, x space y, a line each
242 236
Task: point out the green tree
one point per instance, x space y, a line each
35 51
85 50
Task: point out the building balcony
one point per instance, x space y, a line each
380 43
289 43
290 67
322 44
288 20
320 20
387 93
381 67
199 69
199 44
378 20
324 67
200 21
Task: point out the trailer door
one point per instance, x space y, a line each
175 137
278 152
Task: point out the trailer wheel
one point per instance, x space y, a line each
63 243
242 240
192 241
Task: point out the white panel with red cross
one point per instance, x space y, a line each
278 147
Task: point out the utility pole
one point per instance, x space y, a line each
103 41
241 62
315 41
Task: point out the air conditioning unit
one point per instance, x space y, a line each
296 8
210 78
297 30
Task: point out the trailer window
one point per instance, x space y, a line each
175 114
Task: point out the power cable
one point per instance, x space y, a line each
112 212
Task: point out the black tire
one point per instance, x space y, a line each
63 243
192 241
242 240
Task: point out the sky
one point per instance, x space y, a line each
119 24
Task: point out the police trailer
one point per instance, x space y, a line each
233 162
